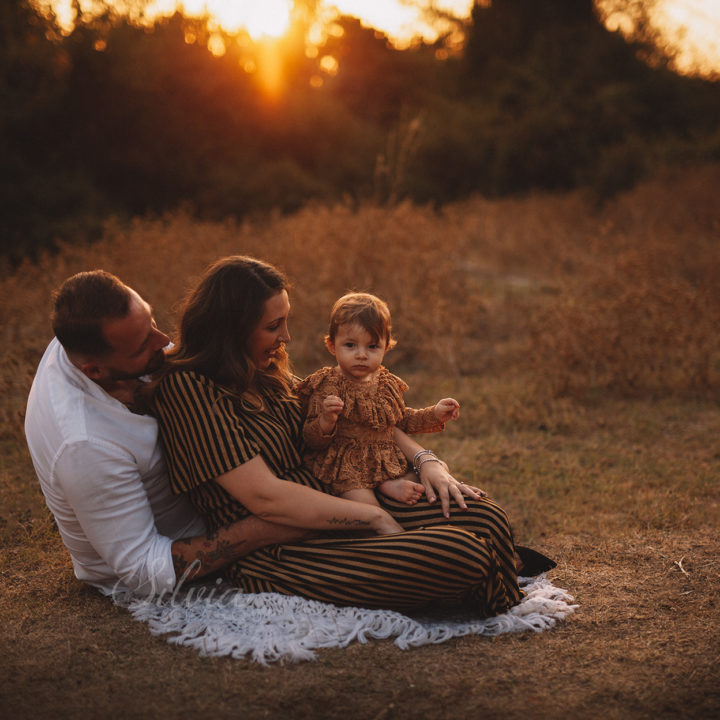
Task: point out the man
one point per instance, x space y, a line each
97 455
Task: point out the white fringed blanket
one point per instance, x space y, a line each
268 627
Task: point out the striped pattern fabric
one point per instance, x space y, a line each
467 559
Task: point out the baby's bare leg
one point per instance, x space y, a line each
402 489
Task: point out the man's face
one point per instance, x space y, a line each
137 344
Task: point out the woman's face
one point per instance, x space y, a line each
271 332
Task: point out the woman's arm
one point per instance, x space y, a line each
287 503
436 478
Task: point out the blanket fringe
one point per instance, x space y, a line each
269 627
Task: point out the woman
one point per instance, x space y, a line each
232 431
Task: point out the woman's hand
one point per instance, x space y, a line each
435 476
439 483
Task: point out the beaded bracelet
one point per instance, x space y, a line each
418 462
420 453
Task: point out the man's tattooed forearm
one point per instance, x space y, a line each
223 551
208 557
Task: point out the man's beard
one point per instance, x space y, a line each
153 365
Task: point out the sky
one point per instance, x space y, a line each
693 26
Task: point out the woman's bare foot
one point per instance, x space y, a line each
402 490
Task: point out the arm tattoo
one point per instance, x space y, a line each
210 555
346 522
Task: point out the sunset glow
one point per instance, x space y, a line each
692 27
402 22
269 18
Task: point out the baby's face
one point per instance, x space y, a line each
358 354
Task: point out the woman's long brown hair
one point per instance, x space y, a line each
216 322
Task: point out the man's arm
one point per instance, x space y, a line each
199 556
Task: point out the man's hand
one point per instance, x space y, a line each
447 409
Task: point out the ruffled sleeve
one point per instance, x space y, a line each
312 391
411 421
420 421
309 389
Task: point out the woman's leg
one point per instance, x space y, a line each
484 518
398 572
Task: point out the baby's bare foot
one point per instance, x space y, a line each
402 490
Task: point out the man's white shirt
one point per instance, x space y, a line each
103 475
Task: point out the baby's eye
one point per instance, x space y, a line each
349 344
374 347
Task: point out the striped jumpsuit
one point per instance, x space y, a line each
467 559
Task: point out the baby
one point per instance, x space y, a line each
351 409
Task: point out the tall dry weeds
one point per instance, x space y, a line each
623 300
641 317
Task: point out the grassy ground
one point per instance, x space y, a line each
600 443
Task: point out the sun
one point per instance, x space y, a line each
269 18
265 18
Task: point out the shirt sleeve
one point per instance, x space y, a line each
102 484
420 421
202 433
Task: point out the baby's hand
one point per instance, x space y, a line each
331 408
447 409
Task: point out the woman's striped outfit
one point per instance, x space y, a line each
468 559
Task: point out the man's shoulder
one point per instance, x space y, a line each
56 371
56 396
66 407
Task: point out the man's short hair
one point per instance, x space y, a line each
82 304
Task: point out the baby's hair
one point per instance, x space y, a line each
368 311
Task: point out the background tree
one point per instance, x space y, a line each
38 185
125 118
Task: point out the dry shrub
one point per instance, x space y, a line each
628 334
642 318
401 253
623 299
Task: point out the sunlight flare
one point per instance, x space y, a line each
269 18
692 27
270 69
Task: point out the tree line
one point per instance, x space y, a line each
123 119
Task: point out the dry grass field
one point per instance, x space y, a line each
583 345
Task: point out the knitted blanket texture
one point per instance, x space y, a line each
219 620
